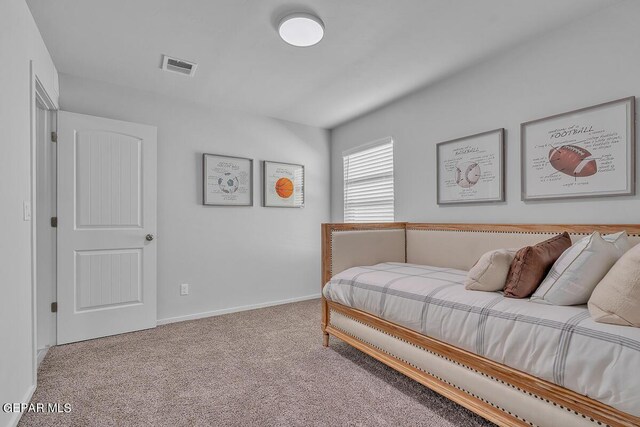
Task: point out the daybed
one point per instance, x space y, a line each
394 291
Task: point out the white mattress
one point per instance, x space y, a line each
562 345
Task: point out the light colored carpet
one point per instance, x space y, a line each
263 367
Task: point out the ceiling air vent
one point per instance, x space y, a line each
179 66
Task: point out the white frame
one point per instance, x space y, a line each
38 94
630 160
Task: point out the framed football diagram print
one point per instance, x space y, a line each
227 180
471 169
282 185
583 153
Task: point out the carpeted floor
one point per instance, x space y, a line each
263 367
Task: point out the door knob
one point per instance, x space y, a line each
149 237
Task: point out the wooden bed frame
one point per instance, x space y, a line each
597 412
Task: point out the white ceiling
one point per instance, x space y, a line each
373 52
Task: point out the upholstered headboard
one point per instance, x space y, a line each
460 245
349 245
441 245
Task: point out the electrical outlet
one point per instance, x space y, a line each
184 289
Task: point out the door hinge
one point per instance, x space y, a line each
54 136
54 221
54 307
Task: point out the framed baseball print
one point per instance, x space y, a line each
583 153
471 169
227 180
282 185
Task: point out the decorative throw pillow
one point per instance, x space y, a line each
531 265
490 272
580 268
616 298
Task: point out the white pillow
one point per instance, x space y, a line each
616 299
490 271
580 268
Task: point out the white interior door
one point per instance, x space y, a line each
106 227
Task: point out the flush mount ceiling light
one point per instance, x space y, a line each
301 29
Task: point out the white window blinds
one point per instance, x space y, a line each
368 183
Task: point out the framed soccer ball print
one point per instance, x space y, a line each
228 181
471 169
282 185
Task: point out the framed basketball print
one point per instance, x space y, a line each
471 169
227 180
583 153
282 185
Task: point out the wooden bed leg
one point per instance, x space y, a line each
325 339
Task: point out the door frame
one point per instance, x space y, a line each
38 94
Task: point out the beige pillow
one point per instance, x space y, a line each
490 272
616 299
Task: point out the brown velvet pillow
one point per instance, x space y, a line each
531 265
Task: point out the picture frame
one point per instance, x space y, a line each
471 169
227 180
283 185
589 152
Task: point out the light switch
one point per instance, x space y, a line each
26 208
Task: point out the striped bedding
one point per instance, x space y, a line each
560 344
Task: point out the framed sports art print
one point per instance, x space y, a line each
282 185
227 180
583 153
471 169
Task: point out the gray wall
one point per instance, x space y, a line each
231 256
19 40
589 62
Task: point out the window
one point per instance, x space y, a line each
368 183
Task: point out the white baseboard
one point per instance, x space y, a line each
41 354
234 309
13 422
